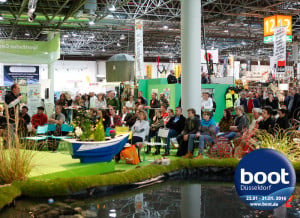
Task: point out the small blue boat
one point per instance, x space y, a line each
97 151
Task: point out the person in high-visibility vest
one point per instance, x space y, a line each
228 99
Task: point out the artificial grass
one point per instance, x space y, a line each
66 186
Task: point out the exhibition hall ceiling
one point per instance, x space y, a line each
102 28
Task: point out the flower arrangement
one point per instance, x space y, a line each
86 129
112 133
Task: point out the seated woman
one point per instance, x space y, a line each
139 131
225 123
140 128
240 124
206 134
158 122
170 115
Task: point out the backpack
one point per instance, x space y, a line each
130 155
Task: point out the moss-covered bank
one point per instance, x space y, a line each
67 186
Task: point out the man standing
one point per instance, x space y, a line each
172 78
140 95
12 99
39 119
242 101
112 100
163 100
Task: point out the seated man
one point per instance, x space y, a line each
24 121
39 119
191 126
240 124
282 121
256 118
126 115
175 126
57 118
207 133
267 123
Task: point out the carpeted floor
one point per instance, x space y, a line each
49 165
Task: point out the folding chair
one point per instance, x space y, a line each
40 138
54 142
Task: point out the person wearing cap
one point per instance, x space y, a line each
39 119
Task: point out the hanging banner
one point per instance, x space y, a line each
21 75
139 49
280 49
149 71
30 52
211 54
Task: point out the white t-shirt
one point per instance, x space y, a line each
207 104
93 102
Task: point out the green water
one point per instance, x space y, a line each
169 199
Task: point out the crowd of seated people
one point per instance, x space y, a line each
255 109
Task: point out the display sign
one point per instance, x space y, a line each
33 98
22 75
280 49
211 54
270 23
139 49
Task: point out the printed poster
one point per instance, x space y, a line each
22 75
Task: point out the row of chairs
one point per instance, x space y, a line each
45 134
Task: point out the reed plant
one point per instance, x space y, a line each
16 156
282 141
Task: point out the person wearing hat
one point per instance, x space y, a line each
39 119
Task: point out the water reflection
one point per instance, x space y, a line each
171 199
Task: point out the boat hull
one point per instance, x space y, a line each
101 151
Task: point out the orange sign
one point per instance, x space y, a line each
276 21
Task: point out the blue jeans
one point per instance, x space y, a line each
172 134
202 140
230 135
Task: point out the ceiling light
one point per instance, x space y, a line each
3 1
92 22
118 44
112 8
165 27
103 50
122 37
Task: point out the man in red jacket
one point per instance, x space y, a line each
39 119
